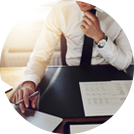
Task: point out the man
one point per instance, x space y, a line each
74 21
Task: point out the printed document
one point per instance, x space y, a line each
113 128
103 98
128 86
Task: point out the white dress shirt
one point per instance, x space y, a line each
66 17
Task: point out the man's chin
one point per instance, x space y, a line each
84 10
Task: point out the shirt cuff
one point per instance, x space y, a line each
34 78
108 51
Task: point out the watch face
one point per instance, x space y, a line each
101 43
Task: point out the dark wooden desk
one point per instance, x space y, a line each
58 80
13 76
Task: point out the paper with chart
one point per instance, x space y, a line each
103 98
128 86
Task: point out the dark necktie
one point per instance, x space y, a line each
87 48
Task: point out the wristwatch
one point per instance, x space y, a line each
102 42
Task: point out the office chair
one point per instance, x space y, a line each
63 46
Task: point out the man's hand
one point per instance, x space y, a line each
91 26
23 93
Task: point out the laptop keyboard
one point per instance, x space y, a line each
26 129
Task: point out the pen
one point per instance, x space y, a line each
32 95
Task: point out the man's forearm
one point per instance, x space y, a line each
116 54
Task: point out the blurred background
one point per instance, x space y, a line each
21 25
23 36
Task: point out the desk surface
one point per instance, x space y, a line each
13 76
60 91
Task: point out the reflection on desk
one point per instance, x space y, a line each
13 76
60 91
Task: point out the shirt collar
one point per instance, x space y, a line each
102 5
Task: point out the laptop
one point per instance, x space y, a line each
32 122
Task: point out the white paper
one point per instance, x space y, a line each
103 98
5 87
110 128
128 86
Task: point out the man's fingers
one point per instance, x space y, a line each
87 20
83 28
26 98
90 15
24 93
22 108
84 24
17 97
14 99
20 94
34 101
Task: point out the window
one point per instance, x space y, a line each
25 10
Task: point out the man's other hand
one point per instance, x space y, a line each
91 26
24 92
